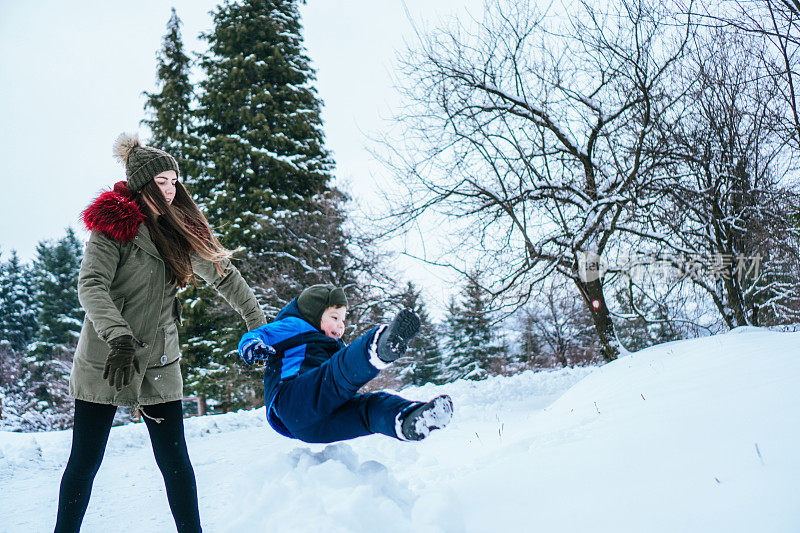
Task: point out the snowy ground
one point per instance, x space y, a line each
700 435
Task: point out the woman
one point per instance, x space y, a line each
148 239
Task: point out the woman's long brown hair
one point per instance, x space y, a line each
179 229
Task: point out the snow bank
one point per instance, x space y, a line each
696 435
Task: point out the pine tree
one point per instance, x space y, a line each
172 123
14 397
60 319
266 173
170 109
456 364
472 346
211 365
266 176
423 360
255 162
56 270
17 308
530 343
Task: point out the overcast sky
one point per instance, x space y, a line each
72 76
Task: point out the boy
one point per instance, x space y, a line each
311 377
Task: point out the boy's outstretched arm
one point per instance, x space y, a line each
254 346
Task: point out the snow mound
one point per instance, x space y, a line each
697 435
302 490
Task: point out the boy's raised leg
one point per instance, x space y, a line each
393 341
364 414
418 423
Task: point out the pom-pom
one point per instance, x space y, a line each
124 145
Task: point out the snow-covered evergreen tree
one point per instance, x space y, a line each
457 365
60 318
423 361
170 109
267 177
260 171
23 407
56 272
173 125
473 348
18 311
13 396
530 345
56 276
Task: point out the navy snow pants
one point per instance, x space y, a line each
321 405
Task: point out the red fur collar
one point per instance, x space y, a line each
115 214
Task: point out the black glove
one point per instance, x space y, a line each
121 362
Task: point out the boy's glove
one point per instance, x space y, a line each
255 350
121 362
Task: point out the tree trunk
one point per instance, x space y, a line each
202 407
227 401
736 301
592 292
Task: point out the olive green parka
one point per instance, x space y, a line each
124 288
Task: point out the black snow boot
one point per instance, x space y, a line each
393 341
421 420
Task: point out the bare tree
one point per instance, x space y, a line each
776 23
526 135
559 327
726 218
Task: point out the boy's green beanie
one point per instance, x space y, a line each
313 301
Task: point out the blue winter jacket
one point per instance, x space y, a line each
299 348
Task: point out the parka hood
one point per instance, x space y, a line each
115 214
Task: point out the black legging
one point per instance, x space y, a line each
89 436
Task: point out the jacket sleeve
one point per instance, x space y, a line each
261 333
97 271
231 286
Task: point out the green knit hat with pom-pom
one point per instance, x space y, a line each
142 163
